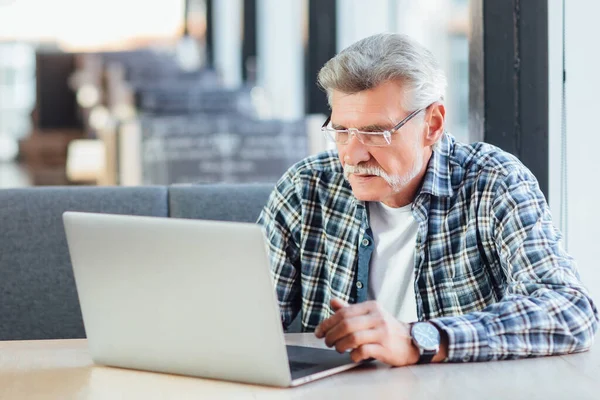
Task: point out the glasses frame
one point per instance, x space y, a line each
387 134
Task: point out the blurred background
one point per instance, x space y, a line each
186 91
162 92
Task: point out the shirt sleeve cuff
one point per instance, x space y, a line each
467 338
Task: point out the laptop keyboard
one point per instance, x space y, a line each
296 366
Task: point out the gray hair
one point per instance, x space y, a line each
386 57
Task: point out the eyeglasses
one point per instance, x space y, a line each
384 138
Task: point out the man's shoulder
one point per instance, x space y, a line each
481 157
324 162
316 172
325 166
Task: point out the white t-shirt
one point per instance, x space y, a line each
391 270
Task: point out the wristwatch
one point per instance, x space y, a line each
427 339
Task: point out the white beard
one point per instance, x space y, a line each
396 182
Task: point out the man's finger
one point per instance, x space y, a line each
349 326
367 351
351 310
356 339
337 304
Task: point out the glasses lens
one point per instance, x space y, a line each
340 137
367 138
371 139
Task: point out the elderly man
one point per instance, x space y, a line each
407 246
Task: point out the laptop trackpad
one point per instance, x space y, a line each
306 361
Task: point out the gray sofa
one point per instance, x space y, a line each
38 298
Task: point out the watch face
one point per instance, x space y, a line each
426 335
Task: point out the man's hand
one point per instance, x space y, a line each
370 332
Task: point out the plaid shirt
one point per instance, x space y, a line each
489 268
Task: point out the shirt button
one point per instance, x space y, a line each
365 242
359 284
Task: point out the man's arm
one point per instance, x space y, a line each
281 221
545 309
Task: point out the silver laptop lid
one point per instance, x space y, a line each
181 296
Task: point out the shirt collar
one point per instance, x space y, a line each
437 180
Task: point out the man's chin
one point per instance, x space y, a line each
372 192
361 196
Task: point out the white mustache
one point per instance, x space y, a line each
395 182
362 170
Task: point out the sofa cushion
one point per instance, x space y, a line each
222 202
38 298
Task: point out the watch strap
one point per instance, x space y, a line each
426 357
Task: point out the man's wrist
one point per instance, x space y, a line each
415 353
419 355
442 353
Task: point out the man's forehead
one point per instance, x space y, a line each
354 111
387 98
359 106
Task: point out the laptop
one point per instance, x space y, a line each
189 297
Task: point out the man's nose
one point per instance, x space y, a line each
356 152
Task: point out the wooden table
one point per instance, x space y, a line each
62 369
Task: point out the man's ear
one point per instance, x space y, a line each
435 120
